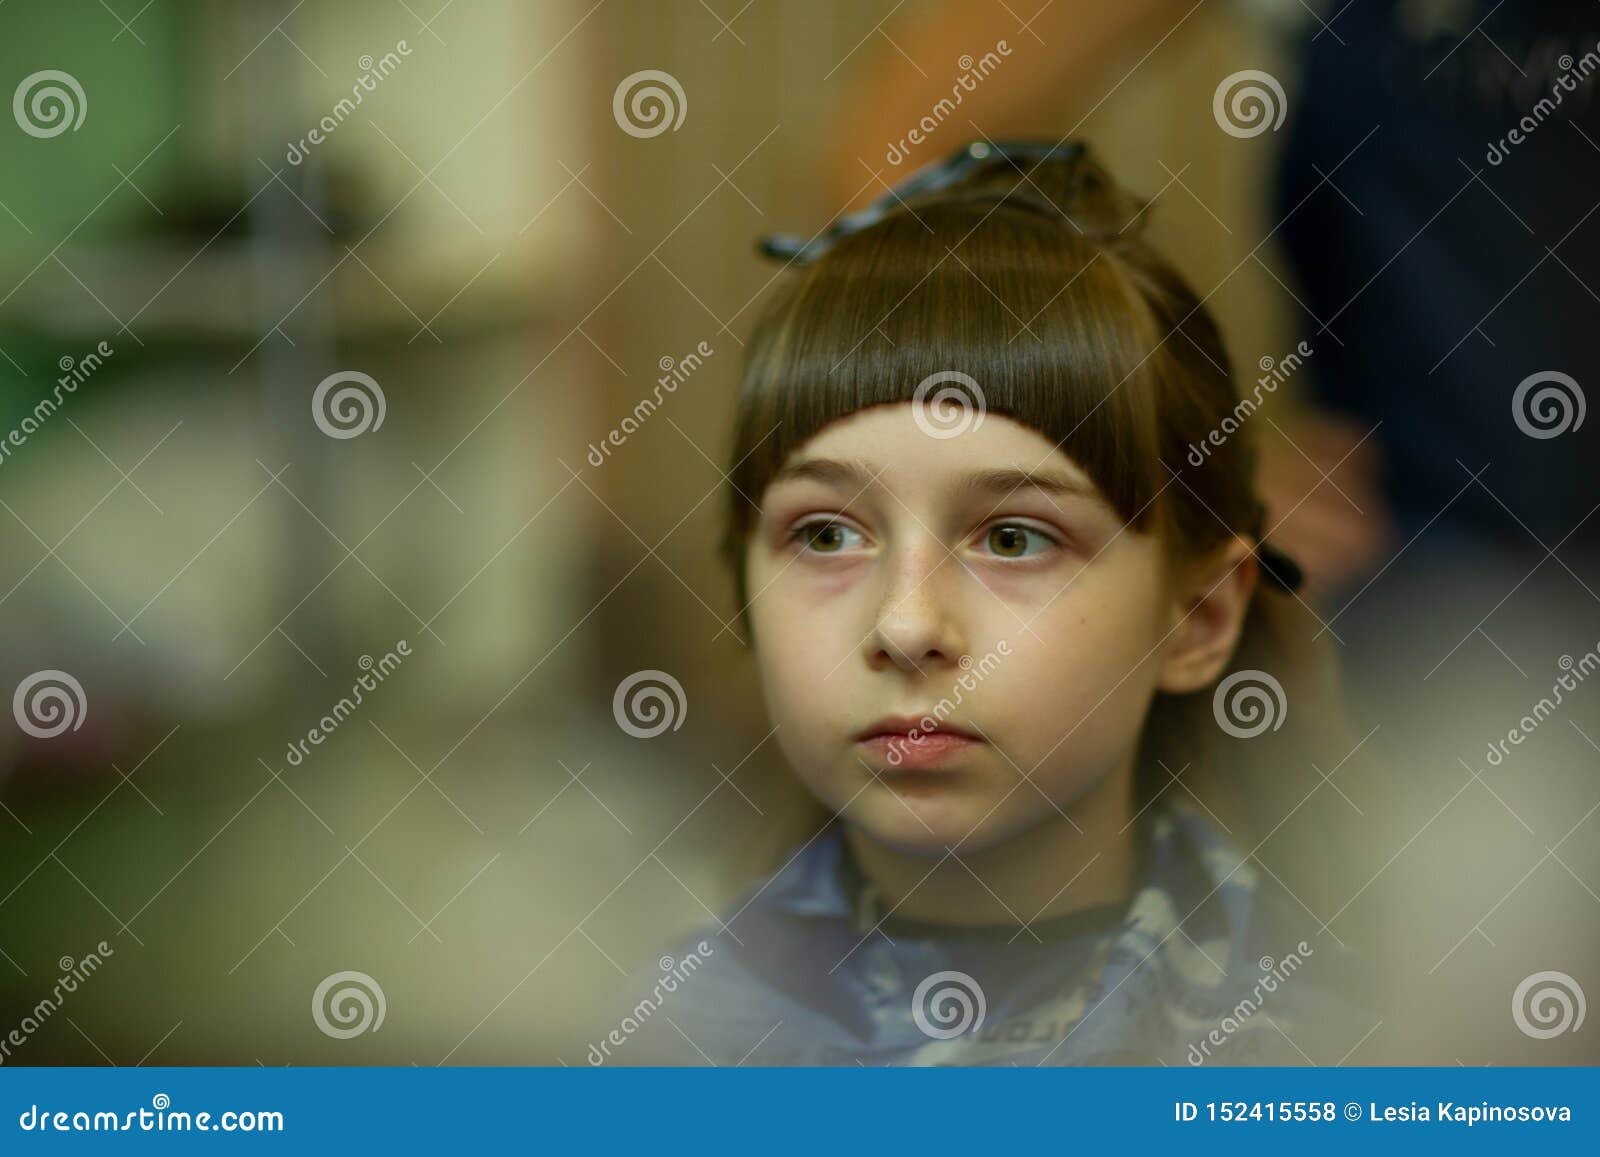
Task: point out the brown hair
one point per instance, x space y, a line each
1041 288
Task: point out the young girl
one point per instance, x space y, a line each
994 528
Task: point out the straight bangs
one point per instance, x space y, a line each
990 306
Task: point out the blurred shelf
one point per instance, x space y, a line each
203 295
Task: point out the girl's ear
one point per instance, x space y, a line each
1209 601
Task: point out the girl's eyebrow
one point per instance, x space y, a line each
1006 480
999 481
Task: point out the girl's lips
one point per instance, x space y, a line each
902 752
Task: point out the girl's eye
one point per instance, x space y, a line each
1013 540
827 537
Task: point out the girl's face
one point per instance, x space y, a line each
891 570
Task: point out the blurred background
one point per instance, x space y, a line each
499 258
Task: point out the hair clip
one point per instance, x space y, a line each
1020 155
1281 570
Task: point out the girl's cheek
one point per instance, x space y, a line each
804 617
797 679
810 583
1081 635
835 583
1030 590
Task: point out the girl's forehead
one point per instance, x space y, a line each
911 440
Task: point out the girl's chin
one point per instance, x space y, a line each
921 824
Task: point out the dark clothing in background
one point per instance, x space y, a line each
1433 257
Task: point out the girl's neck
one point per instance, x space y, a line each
1059 866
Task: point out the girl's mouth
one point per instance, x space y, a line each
917 751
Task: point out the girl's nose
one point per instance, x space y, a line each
916 627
